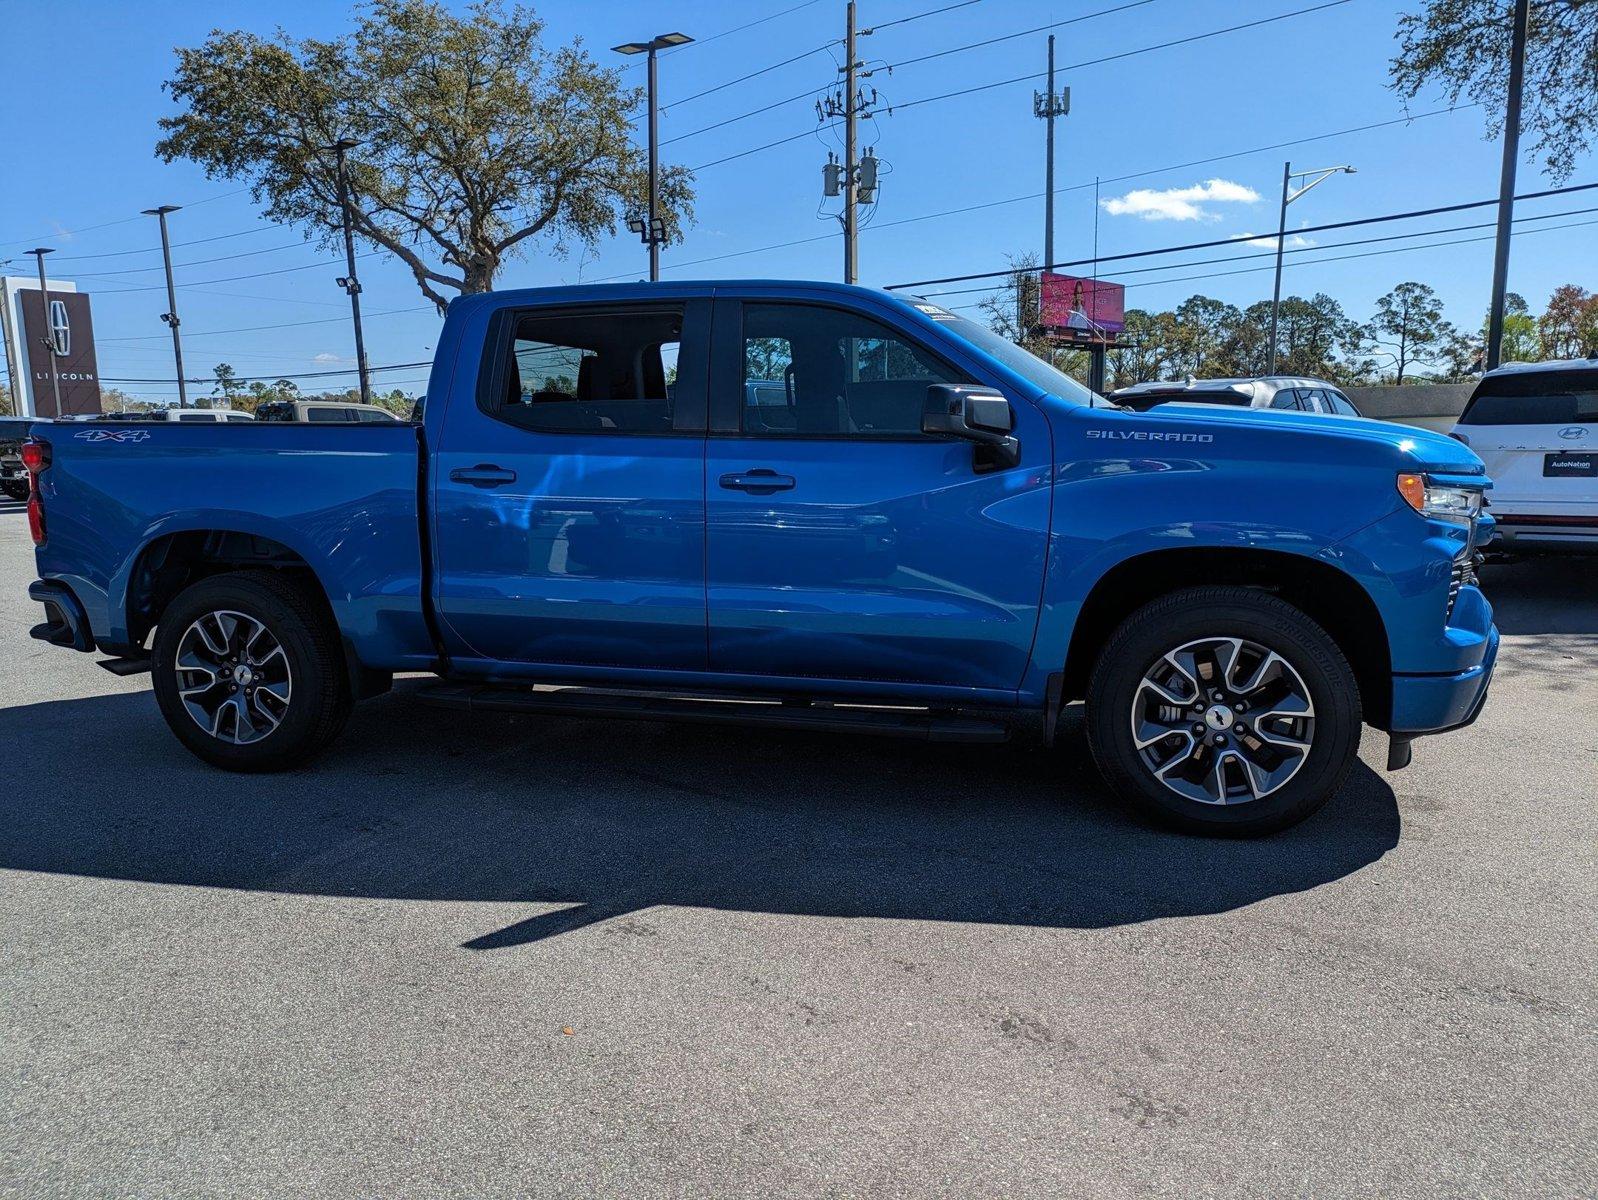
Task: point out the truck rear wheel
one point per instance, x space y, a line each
248 672
1223 710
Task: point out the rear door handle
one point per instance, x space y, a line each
483 475
758 481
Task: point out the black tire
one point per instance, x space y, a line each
16 489
1192 615
320 700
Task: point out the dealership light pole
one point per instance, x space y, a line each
652 229
350 282
1506 183
170 316
1288 196
49 334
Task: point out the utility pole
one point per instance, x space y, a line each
350 283
1506 183
856 177
652 227
851 226
49 334
170 316
1046 106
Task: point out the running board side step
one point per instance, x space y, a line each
919 723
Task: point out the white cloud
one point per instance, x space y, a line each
1295 241
328 357
1180 204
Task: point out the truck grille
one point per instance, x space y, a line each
1463 575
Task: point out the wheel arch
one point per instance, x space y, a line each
1331 597
169 562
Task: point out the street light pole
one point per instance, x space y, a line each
652 229
1506 184
350 282
170 316
49 334
1288 196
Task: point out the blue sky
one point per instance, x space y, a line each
84 93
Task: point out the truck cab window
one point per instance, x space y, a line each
611 372
811 371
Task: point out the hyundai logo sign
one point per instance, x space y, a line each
1571 432
60 328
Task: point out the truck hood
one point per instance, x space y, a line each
1421 448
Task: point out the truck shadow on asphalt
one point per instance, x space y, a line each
1552 594
586 821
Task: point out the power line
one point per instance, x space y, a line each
1142 174
271 225
666 108
1309 249
1093 62
273 378
258 328
199 262
1008 37
917 16
231 278
61 233
1197 37
1400 216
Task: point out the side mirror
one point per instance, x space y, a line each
976 414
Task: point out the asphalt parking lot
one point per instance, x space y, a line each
530 956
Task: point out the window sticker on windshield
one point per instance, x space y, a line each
936 313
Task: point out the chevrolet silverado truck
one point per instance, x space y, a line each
793 504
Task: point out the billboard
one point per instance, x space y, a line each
1082 309
34 321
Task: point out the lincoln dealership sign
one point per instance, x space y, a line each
35 324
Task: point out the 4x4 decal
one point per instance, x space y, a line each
112 435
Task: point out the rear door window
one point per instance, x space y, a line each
1535 398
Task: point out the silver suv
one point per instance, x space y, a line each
1267 391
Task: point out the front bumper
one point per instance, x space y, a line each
1437 703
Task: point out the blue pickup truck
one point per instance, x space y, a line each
792 504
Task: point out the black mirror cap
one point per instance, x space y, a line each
977 413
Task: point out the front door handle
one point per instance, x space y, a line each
483 475
758 481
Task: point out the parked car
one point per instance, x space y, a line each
1535 425
183 416
318 412
13 475
1266 391
949 539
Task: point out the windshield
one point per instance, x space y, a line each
1023 362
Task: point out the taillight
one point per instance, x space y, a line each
36 457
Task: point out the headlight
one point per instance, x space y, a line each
1459 504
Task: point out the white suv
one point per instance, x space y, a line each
1535 425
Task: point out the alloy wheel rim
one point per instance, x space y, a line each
1223 720
233 677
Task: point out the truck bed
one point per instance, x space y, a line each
341 497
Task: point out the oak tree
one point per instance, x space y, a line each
475 141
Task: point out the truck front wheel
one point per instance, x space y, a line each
1223 710
248 672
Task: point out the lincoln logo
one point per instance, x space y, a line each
60 328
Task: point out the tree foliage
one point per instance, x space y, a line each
1408 339
1462 47
475 140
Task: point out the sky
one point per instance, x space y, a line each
1182 138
